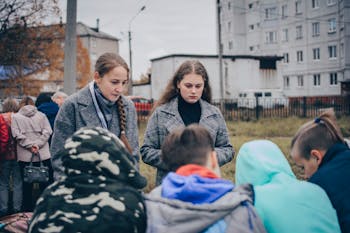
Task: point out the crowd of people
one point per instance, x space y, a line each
89 142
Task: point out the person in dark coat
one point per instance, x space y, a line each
320 148
49 105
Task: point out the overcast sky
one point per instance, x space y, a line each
164 27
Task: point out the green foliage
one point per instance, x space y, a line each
279 130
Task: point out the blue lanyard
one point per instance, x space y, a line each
98 110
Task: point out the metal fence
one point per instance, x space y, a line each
280 108
256 108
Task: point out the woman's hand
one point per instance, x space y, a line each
34 149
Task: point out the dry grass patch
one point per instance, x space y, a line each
278 130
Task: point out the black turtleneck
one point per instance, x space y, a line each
190 113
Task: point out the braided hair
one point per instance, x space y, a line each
122 124
105 63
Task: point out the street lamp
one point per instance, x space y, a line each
130 51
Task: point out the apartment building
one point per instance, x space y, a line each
313 36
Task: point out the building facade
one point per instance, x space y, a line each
240 73
96 41
313 36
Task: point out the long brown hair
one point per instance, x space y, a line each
320 133
187 67
105 63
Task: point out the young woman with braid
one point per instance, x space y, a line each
101 103
319 147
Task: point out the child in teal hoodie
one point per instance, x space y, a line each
284 203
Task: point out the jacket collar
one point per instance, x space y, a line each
86 107
333 151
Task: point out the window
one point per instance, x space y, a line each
341 22
271 13
250 5
285 58
251 48
332 25
229 5
316 29
229 26
299 56
285 34
284 11
333 79
93 42
258 94
342 50
298 7
299 32
286 81
230 45
317 80
251 26
93 56
267 94
300 80
316 53
332 51
315 4
270 37
331 2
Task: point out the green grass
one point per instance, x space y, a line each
279 130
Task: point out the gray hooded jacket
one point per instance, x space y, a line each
235 208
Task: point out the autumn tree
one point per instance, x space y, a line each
29 48
20 47
45 45
28 13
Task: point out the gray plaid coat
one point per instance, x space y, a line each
78 111
166 118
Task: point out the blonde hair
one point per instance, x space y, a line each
10 105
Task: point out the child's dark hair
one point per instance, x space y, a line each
320 133
190 145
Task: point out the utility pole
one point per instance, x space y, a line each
219 48
130 51
70 48
130 65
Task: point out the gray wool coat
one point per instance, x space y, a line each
78 111
166 118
